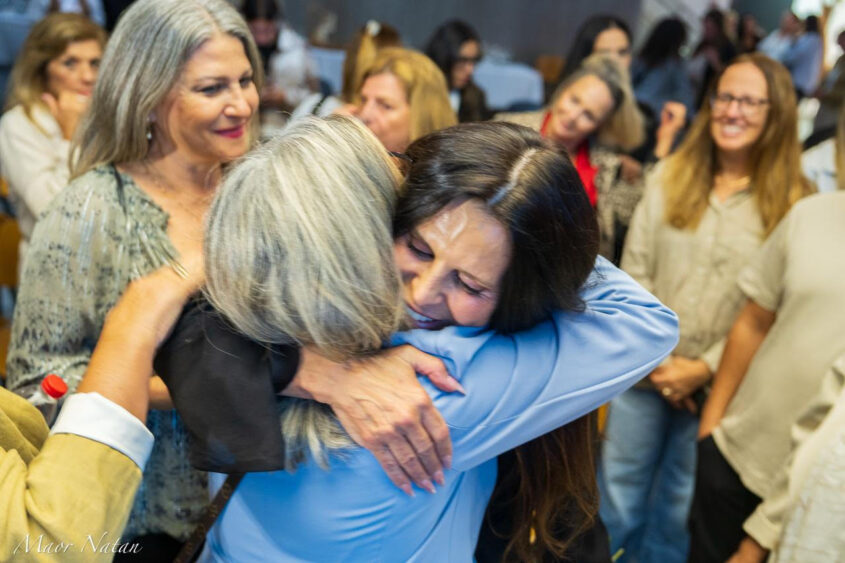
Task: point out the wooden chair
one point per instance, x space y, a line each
10 238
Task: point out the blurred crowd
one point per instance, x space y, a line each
730 448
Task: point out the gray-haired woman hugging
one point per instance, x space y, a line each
488 252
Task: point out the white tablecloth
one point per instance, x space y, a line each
505 83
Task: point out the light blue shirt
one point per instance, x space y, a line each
803 59
519 386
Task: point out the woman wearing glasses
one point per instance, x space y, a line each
456 49
705 211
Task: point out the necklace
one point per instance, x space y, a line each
732 184
163 185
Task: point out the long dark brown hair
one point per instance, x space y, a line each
532 188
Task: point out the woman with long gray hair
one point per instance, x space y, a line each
467 253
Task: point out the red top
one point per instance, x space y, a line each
54 386
586 171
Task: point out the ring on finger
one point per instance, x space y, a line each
666 392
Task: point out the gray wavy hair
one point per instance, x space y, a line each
144 59
299 248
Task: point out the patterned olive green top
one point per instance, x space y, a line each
91 241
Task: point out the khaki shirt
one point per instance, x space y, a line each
62 497
799 274
694 271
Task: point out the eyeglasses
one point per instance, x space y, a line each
749 107
468 60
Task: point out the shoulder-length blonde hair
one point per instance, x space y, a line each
143 61
360 54
299 248
776 178
424 85
47 40
623 128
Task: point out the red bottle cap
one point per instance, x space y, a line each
54 386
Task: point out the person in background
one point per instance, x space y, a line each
455 48
291 74
748 33
706 210
824 164
713 52
51 86
831 94
803 58
73 489
778 42
403 96
602 34
360 54
805 505
658 72
784 340
594 116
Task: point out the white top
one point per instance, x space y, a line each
34 162
92 416
819 165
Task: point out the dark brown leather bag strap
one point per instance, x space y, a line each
189 550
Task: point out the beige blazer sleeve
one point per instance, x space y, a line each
67 500
766 522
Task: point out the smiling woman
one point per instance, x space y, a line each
705 212
175 102
51 86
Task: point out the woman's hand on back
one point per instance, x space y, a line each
384 408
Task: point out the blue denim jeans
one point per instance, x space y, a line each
646 473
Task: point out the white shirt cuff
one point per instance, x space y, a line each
92 416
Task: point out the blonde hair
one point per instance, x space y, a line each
143 61
361 53
840 149
776 177
425 86
623 128
299 248
47 40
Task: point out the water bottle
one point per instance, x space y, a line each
46 399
